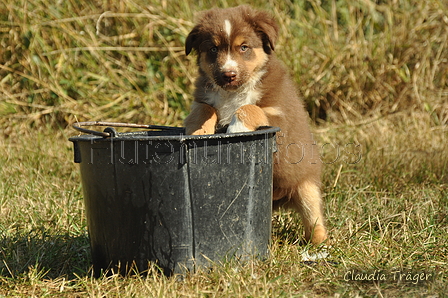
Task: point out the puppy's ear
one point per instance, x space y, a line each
267 28
191 41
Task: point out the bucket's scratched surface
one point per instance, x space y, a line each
178 201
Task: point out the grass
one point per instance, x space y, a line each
374 76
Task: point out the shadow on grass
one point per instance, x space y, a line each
39 252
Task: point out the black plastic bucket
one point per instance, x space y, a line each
176 200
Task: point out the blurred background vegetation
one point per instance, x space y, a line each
124 60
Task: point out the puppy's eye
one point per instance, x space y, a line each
213 49
244 48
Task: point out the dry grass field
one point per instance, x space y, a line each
373 74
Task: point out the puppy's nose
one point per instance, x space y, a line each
229 76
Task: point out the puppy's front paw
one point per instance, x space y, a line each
202 120
201 131
237 125
247 118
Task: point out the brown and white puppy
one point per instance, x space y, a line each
242 86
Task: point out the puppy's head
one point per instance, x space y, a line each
233 45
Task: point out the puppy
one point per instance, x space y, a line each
242 86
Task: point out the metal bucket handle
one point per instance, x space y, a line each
111 132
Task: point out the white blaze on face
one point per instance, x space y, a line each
227 27
230 64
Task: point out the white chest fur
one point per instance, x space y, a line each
227 102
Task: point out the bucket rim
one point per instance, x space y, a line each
178 136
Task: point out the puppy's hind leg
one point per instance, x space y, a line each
309 204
